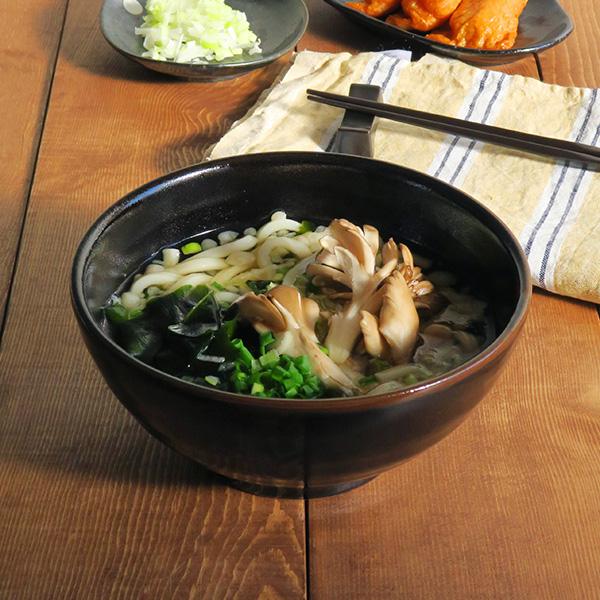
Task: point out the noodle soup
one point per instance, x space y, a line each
290 310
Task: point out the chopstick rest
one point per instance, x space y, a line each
354 133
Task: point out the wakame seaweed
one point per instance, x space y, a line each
172 330
187 334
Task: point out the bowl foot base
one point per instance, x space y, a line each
294 492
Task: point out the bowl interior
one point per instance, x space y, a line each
278 23
244 191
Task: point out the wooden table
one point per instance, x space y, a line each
93 507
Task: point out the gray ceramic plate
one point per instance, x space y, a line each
278 23
543 24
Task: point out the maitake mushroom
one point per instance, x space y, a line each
381 301
292 319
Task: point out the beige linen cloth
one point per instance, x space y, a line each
551 207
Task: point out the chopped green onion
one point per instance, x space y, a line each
303 364
289 383
308 391
217 286
266 339
364 381
212 380
272 374
191 248
324 349
243 353
257 388
117 313
271 358
279 374
295 375
305 226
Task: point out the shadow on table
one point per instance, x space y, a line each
84 47
89 435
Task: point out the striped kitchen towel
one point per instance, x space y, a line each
551 207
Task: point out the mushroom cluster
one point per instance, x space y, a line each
380 284
292 318
375 287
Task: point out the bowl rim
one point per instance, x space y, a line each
467 53
500 345
258 62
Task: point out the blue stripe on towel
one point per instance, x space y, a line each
469 114
486 116
561 179
563 218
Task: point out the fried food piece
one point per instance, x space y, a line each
484 24
423 15
375 8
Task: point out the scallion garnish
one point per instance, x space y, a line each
191 248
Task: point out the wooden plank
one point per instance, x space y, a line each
495 510
505 507
330 31
90 505
30 43
575 61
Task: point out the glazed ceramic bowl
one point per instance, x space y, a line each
543 24
278 23
299 447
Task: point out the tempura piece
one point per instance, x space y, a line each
484 24
423 15
375 8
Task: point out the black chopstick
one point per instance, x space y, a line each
561 149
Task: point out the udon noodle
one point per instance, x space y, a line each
296 311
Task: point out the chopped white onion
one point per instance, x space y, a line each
225 297
227 236
130 300
207 244
133 7
170 257
195 31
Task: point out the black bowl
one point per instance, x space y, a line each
298 447
542 25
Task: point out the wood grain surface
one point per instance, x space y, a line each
507 506
90 505
30 42
575 62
